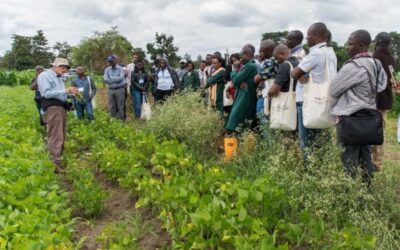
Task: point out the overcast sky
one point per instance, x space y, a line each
199 27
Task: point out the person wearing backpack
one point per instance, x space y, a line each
87 89
34 87
355 88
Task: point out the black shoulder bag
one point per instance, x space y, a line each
364 127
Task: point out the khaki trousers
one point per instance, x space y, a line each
55 117
377 150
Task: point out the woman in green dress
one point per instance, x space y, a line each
190 80
216 83
244 107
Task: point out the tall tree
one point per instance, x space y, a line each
20 55
278 37
163 46
341 54
395 48
187 57
63 50
92 52
41 54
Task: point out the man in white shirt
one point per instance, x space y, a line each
313 65
202 74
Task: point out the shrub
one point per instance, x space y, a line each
185 118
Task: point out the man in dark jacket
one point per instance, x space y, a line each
34 86
385 98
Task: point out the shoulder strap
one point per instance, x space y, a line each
90 85
377 72
291 78
327 73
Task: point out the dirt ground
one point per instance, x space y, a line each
118 207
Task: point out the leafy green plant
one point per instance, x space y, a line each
16 78
33 209
184 117
126 234
211 206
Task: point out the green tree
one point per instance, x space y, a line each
63 50
341 54
278 37
395 48
198 61
20 56
187 57
164 47
92 52
340 51
41 54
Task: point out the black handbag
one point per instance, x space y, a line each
364 127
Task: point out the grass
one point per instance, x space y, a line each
392 147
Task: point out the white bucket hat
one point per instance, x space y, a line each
60 62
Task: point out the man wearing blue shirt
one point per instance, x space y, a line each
54 105
87 89
114 77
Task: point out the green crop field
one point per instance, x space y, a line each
181 194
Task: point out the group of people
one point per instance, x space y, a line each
245 90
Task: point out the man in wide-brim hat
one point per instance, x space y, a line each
54 105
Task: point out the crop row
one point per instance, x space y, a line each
33 209
201 206
16 78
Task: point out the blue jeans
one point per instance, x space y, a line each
307 136
82 107
260 110
137 99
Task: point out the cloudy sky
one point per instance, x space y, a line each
198 27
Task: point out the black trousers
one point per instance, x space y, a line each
354 156
160 95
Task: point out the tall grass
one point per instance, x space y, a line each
324 189
185 118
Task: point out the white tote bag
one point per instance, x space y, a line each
267 85
90 93
146 110
283 109
227 100
317 102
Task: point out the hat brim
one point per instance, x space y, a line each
68 67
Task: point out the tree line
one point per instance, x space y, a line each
91 52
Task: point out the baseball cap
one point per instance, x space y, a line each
182 61
111 58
